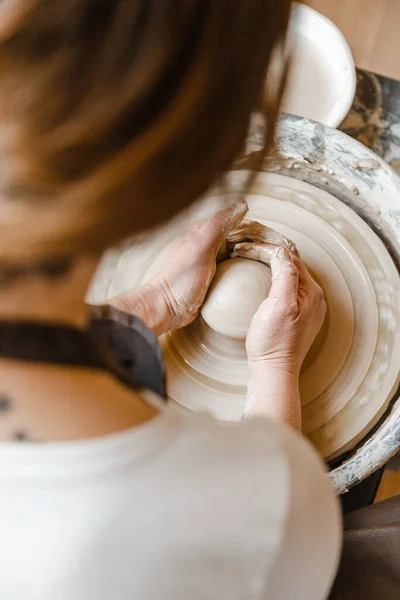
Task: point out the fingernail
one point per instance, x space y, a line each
241 249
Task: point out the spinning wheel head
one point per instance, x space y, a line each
350 374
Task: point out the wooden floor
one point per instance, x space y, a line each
390 485
371 27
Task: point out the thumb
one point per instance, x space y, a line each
285 280
234 215
221 224
225 220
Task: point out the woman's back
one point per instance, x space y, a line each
177 506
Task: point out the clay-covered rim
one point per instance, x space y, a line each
332 161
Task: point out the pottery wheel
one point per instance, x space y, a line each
351 371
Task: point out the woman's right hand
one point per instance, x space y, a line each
288 321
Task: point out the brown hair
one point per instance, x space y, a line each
116 114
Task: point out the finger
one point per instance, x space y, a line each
261 252
232 216
306 280
208 235
219 226
222 223
253 231
285 280
304 273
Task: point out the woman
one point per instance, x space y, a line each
115 116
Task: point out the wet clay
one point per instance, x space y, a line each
236 278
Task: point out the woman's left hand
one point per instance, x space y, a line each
173 298
186 276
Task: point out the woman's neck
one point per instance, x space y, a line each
41 402
49 299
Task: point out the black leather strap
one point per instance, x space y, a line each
50 343
115 342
